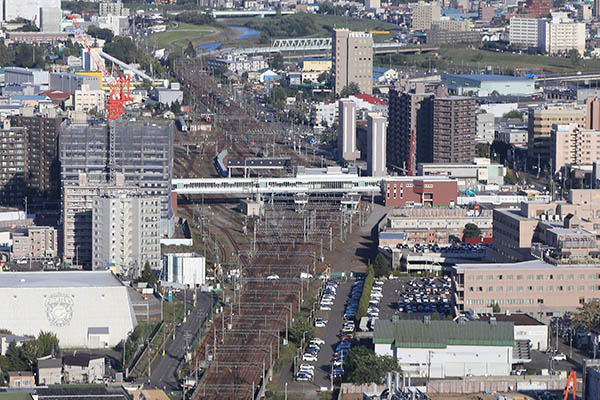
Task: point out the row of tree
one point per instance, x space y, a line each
23 358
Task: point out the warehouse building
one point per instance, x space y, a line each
444 349
504 85
73 305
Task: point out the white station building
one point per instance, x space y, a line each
443 349
87 309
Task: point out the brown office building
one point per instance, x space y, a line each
409 111
352 59
537 8
454 129
43 177
13 165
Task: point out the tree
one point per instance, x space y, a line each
100 33
301 328
13 354
277 62
516 114
175 107
350 90
574 56
496 308
47 344
471 231
381 266
148 275
190 51
482 150
588 315
29 56
364 366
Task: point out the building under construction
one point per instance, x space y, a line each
98 158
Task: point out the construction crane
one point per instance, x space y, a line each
572 378
119 87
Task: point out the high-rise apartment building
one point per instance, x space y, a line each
537 8
126 233
424 15
596 9
525 31
352 54
410 114
142 152
376 141
112 8
27 9
561 35
43 175
50 19
592 116
540 124
454 129
572 145
13 165
347 131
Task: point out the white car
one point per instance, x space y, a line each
308 367
317 341
309 357
325 307
273 277
559 357
320 322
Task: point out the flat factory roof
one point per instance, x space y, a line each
58 279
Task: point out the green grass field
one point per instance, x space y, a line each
469 59
179 36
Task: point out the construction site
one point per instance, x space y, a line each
273 258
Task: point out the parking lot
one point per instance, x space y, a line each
416 297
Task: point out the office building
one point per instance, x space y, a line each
534 287
572 145
537 8
525 31
347 131
469 175
373 4
485 128
187 269
454 129
592 115
410 116
559 232
126 233
14 166
34 243
433 191
352 54
424 15
376 141
50 19
86 99
112 7
485 12
43 174
19 75
142 153
540 123
596 9
69 83
486 84
436 36
26 9
447 349
452 25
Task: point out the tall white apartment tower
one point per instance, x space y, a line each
347 130
376 141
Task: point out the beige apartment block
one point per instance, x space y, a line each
535 287
541 120
592 117
424 15
572 145
35 242
352 54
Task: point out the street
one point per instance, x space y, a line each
164 368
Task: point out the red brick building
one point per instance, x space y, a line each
428 191
537 8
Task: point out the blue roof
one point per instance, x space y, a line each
316 59
486 77
28 97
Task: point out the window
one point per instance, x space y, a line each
581 300
540 288
499 277
581 288
560 288
519 277
530 277
570 288
479 277
490 277
490 288
520 289
571 277
561 277
540 277
510 277
550 277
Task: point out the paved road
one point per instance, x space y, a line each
163 370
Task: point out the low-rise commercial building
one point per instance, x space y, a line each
86 100
469 175
443 349
534 287
526 328
432 191
485 128
435 225
34 243
83 368
187 269
49 371
6 340
21 379
487 84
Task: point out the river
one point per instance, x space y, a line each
244 33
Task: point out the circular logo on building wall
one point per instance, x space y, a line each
59 309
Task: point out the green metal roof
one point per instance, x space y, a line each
439 334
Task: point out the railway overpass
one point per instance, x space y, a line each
324 44
250 13
576 77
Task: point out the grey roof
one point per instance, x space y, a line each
98 331
58 279
489 77
81 359
15 338
79 392
440 334
524 265
49 363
